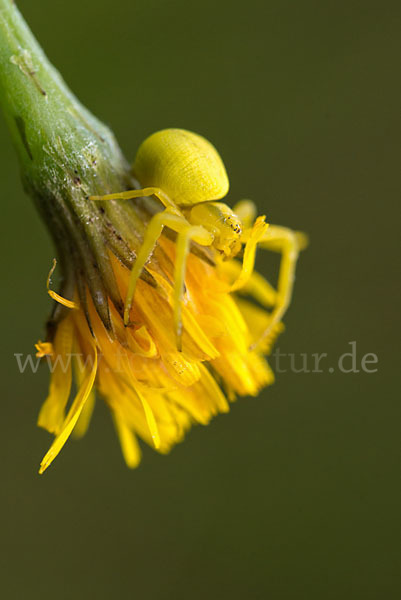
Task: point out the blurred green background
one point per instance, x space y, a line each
295 494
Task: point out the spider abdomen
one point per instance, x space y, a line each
183 164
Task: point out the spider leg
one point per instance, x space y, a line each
256 285
152 234
256 234
289 244
148 191
243 275
278 239
186 233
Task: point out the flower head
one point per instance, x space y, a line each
154 390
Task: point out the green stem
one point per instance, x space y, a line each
65 154
47 122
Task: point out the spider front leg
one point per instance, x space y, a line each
256 285
186 233
279 239
148 191
289 244
252 238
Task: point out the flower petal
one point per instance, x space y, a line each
74 412
129 444
51 415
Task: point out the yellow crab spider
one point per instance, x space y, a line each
185 172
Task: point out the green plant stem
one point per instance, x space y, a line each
46 121
66 155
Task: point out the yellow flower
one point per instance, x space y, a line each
154 390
